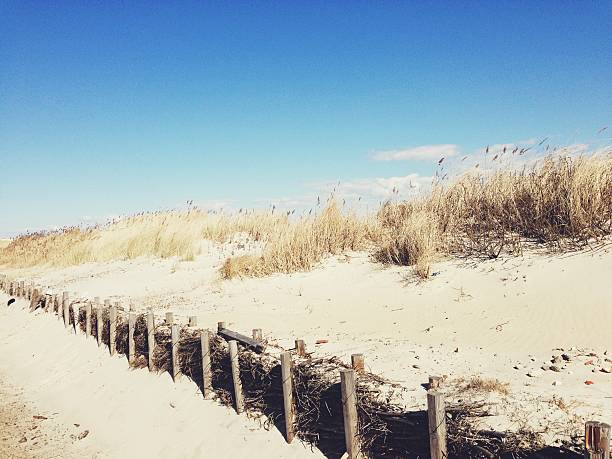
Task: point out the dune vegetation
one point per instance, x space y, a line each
563 202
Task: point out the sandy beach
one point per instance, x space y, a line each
510 319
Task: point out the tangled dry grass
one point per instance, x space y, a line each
561 201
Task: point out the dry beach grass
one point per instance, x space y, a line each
562 201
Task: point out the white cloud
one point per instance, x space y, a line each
421 153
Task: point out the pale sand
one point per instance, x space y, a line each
128 413
473 318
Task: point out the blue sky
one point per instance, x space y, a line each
109 108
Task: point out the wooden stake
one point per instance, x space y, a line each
34 299
436 415
597 440
220 326
169 319
21 288
207 388
349 411
358 362
151 338
238 396
112 327
300 347
88 320
99 323
257 334
434 382
175 336
287 379
193 321
131 343
66 309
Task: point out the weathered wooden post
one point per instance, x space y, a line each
131 343
175 336
358 362
22 288
66 309
597 440
169 319
349 411
300 347
220 326
193 321
436 416
112 327
88 320
287 380
257 334
34 299
206 365
151 338
99 321
238 395
434 382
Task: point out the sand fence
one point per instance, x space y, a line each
339 408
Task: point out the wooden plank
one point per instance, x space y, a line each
597 440
235 365
112 326
175 336
436 416
207 388
287 381
358 362
230 335
300 347
88 320
131 343
151 338
349 412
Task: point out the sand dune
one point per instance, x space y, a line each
501 319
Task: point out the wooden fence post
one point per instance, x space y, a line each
206 365
597 440
88 320
436 416
349 412
300 347
175 336
220 325
112 329
238 395
358 362
151 338
99 321
21 288
257 334
434 382
66 309
35 297
287 380
131 343
169 319
193 321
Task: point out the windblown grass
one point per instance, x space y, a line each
563 202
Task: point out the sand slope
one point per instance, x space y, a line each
128 413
